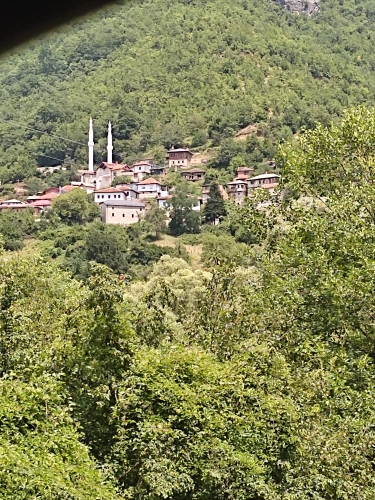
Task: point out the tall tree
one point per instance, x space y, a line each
183 218
72 207
215 207
156 217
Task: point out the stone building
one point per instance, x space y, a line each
122 212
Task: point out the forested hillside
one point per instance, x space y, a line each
193 72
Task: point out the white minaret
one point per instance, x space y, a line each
91 147
109 143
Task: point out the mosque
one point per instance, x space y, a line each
104 175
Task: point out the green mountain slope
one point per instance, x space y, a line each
188 71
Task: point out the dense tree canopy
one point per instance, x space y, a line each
252 379
183 72
238 362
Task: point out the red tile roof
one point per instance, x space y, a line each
48 196
114 166
108 190
40 203
149 181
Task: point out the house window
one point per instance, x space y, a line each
102 196
109 196
123 215
113 215
132 215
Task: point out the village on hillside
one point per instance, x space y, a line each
124 203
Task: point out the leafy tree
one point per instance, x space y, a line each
34 185
72 207
15 226
108 245
156 217
183 219
120 179
40 451
102 355
214 209
200 138
223 249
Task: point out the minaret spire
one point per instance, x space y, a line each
91 147
109 143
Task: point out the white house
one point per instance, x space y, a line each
110 193
164 200
149 188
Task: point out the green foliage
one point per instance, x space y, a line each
156 218
214 209
15 226
195 425
120 179
72 207
40 452
255 380
223 249
107 244
183 219
211 69
35 185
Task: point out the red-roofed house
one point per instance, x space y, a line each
48 194
15 205
70 187
40 205
149 188
130 193
244 172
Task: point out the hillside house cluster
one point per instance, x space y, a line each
243 185
126 202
